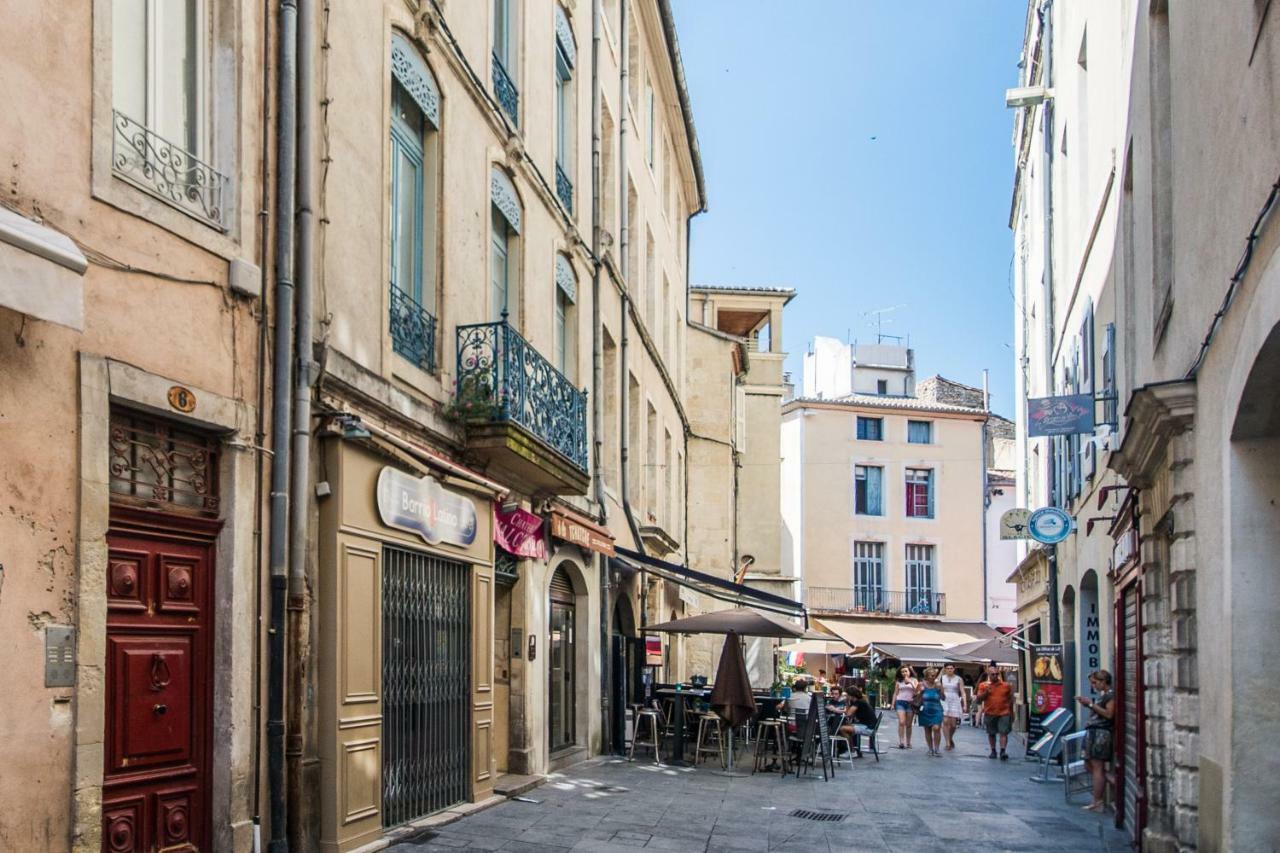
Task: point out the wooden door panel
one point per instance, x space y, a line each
152 697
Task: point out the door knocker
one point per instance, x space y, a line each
159 672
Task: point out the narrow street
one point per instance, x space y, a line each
905 802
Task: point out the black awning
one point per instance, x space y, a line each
716 587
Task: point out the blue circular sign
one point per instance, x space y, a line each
1049 525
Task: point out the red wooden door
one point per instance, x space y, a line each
158 689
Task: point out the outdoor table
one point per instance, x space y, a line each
681 696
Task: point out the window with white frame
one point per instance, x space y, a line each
565 349
415 114
160 108
920 579
919 493
504 298
868 576
868 490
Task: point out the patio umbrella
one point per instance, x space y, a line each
731 697
982 651
739 620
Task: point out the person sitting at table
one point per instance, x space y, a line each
859 718
798 704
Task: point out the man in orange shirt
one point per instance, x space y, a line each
996 697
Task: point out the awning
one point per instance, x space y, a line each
716 587
41 272
911 654
817 647
999 651
863 632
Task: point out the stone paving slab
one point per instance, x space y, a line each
908 801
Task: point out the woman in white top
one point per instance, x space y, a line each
953 704
904 702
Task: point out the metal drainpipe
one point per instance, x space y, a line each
1046 38
986 495
282 358
624 249
597 401
300 475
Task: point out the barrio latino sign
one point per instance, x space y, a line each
424 507
1067 415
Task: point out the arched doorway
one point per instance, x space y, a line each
1088 633
562 665
1069 647
626 662
1251 598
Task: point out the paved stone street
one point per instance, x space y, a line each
908 802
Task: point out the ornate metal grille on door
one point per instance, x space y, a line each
426 622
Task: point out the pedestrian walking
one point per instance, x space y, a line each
996 697
904 702
931 711
953 704
1098 748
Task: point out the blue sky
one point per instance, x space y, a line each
859 151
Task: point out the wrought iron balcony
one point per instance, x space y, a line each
166 170
873 601
564 189
502 379
413 330
506 91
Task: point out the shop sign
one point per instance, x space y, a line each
520 533
689 597
653 650
1046 687
424 507
1125 548
1013 524
1049 525
1067 415
564 527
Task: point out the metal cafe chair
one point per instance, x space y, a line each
870 734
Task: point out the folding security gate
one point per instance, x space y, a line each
426 619
1129 629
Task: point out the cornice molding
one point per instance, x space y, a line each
1155 414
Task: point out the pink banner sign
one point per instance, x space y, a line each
520 533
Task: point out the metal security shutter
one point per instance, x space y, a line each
426 649
561 587
1132 701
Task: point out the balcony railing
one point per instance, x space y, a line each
876 602
564 189
506 91
501 377
166 170
413 330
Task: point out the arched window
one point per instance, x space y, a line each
415 121
565 358
504 266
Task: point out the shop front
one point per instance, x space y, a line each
1130 720
1032 580
405 642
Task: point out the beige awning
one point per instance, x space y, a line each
862 632
41 272
817 647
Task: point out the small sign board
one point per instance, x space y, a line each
1049 525
1013 524
1045 693
1066 415
424 507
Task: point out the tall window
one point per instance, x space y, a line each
566 53
920 432
870 429
650 128
504 297
868 575
504 55
160 105
868 481
565 324
919 493
415 112
920 595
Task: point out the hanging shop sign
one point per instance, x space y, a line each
520 533
653 650
576 532
1066 415
1049 525
1045 695
424 507
1013 524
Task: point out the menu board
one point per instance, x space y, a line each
1045 692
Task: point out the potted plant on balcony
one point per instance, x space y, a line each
474 400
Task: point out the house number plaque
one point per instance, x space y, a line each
182 399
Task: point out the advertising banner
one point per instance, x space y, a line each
424 507
519 533
1067 415
1045 687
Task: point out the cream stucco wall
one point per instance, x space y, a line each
823 466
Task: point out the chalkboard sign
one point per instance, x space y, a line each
814 736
